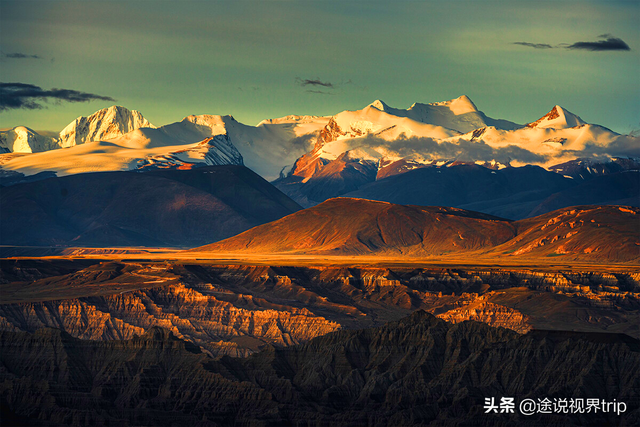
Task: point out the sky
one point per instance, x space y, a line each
264 59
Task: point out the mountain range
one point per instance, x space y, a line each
444 154
301 146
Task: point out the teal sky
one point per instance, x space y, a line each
175 58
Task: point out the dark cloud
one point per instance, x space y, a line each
535 45
18 55
608 42
314 82
30 97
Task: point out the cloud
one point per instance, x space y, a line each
535 45
314 82
30 97
462 150
608 42
18 55
622 146
303 142
320 92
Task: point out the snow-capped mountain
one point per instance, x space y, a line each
194 141
361 147
379 131
121 139
459 114
21 139
102 125
555 133
557 118
304 146
384 134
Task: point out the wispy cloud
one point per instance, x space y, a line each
535 45
314 82
18 55
30 97
319 92
607 42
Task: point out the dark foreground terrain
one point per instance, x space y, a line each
113 340
417 371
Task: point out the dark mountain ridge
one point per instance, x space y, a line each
128 208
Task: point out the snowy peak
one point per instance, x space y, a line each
207 119
458 106
459 114
379 105
557 118
292 118
104 124
21 139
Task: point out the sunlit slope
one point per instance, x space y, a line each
345 226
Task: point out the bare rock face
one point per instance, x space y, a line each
416 371
218 326
479 309
235 309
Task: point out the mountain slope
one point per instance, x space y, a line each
508 192
439 134
513 193
355 226
156 208
346 226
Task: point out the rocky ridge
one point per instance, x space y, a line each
417 371
235 310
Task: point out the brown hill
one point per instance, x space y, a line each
345 226
597 232
358 226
